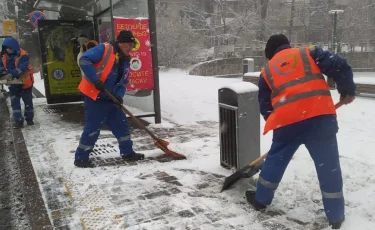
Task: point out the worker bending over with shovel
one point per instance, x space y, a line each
296 103
106 68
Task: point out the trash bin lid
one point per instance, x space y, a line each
242 87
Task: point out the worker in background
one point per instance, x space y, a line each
296 103
106 67
85 45
78 48
2 74
16 64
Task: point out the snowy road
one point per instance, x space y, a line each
12 206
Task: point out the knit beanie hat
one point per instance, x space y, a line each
274 42
125 36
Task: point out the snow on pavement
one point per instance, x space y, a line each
187 98
181 194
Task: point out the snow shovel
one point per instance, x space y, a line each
161 144
13 81
253 167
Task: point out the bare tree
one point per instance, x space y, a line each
178 42
263 16
356 25
291 20
227 21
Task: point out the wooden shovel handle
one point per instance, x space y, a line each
135 120
339 104
257 161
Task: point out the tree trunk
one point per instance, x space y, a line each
223 18
263 17
291 21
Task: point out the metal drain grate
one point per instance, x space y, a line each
51 110
102 148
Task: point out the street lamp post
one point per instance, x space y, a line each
334 34
330 81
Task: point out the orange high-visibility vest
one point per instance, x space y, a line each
27 77
103 68
299 90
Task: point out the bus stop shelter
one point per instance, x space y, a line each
102 14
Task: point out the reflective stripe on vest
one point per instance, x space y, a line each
103 69
306 77
27 77
100 67
299 90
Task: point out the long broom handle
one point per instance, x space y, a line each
136 120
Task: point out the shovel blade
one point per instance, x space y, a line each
163 142
175 155
162 145
232 179
229 181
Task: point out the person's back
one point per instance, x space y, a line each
295 101
299 90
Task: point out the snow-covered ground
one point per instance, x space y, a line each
138 197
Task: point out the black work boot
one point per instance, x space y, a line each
133 157
18 124
84 164
30 122
250 197
336 225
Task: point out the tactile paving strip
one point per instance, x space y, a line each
96 209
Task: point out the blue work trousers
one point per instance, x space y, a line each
16 94
323 149
98 113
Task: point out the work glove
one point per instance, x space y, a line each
347 99
120 101
331 83
99 86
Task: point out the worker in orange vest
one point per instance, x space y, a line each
296 103
16 65
106 67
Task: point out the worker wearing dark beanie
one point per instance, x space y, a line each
273 43
125 36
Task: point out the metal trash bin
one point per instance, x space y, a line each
239 121
248 65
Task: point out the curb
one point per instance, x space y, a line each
37 93
35 206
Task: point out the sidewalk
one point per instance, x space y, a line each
185 194
143 195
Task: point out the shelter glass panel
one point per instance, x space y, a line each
105 28
130 8
138 101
